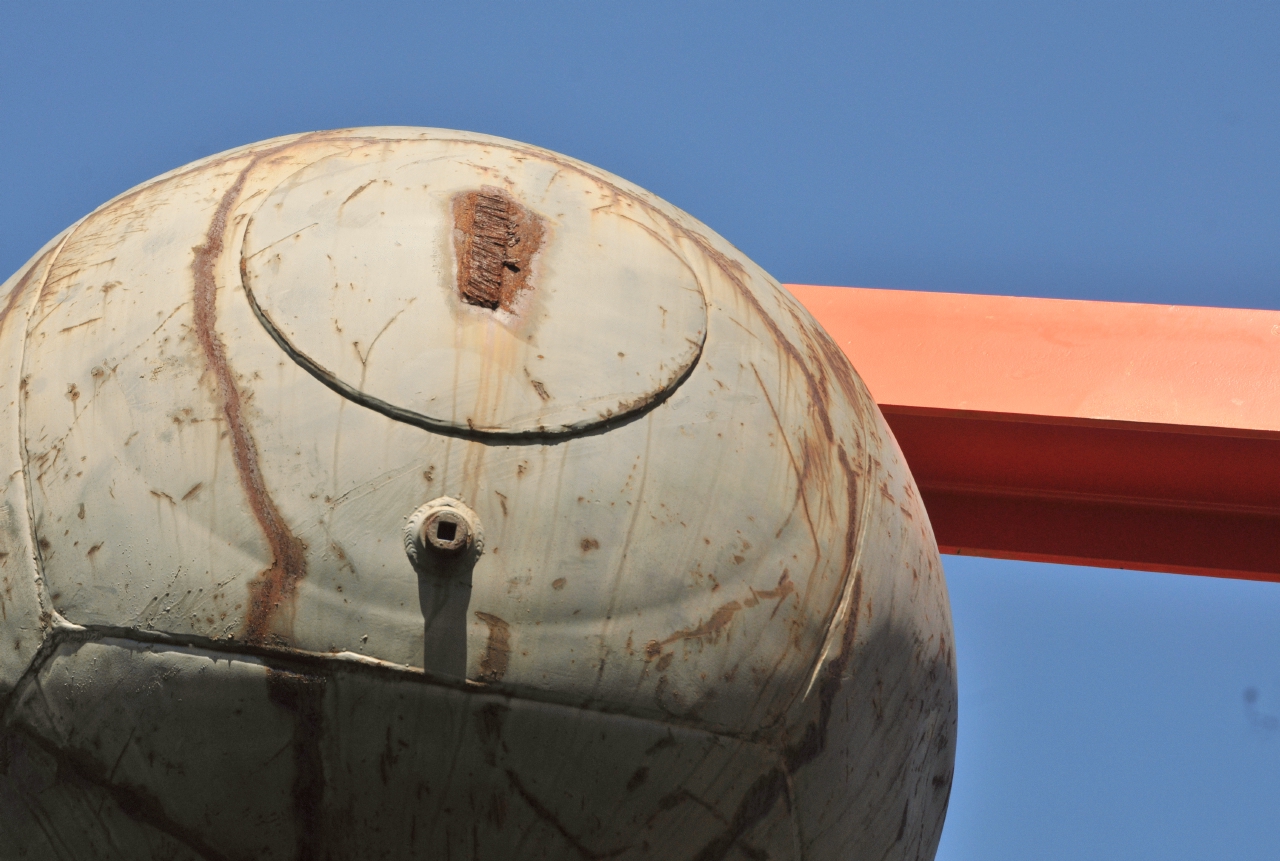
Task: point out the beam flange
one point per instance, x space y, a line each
1089 433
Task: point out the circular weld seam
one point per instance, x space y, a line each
449 428
410 417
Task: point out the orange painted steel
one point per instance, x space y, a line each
1091 433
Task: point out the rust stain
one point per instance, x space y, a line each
78 325
76 770
814 739
709 630
489 722
497 652
755 806
589 544
278 583
558 583
302 697
546 815
495 240
638 779
785 588
353 195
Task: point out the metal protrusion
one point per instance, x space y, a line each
446 531
442 529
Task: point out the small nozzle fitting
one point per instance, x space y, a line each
442 528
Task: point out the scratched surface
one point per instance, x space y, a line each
23 609
708 619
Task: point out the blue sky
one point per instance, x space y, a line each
1117 151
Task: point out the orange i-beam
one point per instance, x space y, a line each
1091 433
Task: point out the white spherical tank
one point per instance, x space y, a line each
408 493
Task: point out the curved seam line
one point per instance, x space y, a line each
267 657
42 585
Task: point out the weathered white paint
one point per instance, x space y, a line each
23 604
710 539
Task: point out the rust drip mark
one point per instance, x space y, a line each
546 815
497 652
278 583
302 696
495 239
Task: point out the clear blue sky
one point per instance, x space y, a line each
1103 151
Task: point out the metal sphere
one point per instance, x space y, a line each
408 493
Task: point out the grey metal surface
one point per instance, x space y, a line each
704 616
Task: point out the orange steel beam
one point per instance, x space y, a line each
1091 433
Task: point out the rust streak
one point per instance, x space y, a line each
710 630
755 806
546 815
785 588
302 697
497 652
770 787
277 584
71 328
814 739
77 770
352 196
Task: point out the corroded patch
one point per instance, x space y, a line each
495 239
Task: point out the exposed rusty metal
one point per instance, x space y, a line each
495 241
